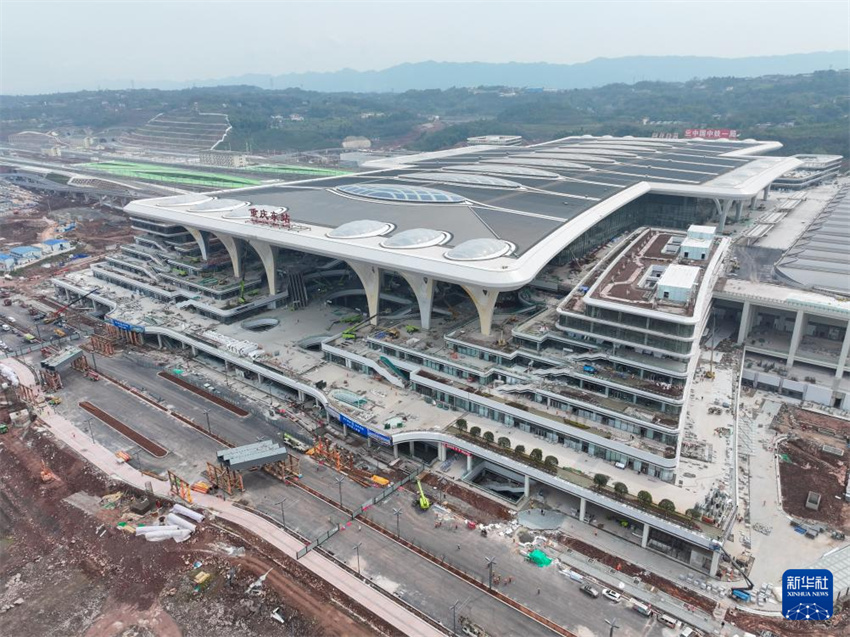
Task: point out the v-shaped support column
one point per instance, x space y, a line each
485 303
268 255
423 288
370 278
723 206
202 238
236 249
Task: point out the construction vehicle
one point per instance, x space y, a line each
58 313
4 428
60 333
422 501
91 375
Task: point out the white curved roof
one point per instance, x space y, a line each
479 250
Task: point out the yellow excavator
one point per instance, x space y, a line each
422 501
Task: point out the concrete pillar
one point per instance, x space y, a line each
468 463
842 357
715 562
485 303
395 450
645 539
796 336
159 340
423 288
202 238
268 255
753 202
412 447
300 396
739 208
744 328
368 442
236 249
723 206
441 451
766 192
527 486
370 278
582 509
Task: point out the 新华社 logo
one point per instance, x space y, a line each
807 594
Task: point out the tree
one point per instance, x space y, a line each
694 513
488 436
504 442
621 489
667 505
461 424
536 454
519 450
475 431
551 461
600 480
644 497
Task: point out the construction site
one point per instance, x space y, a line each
223 435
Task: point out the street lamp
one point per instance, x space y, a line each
282 513
454 607
613 625
357 550
207 414
88 426
397 513
339 481
490 562
137 455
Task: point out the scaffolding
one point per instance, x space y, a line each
225 478
180 487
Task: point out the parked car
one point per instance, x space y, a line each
614 596
6 328
588 590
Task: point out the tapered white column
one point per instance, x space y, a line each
485 303
236 249
268 255
202 239
423 288
370 278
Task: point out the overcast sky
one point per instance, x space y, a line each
72 45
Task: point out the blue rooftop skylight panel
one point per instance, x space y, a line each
408 194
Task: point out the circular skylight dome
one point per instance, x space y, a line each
496 169
416 238
361 229
465 180
406 194
479 250
180 201
218 205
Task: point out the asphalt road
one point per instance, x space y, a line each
410 576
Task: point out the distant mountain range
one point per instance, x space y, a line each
598 72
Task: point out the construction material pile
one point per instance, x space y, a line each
177 526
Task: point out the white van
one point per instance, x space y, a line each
643 609
667 621
687 631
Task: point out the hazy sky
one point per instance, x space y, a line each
71 45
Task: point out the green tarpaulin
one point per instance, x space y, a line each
539 557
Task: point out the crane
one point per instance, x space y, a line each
55 315
422 501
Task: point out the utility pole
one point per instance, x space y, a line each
357 550
88 426
490 562
397 513
339 481
454 608
137 454
282 513
207 414
613 624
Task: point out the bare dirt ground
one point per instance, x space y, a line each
811 469
470 504
758 625
66 570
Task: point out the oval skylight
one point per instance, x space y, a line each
218 205
598 150
569 156
406 194
361 229
465 180
245 212
479 250
416 238
542 161
180 201
495 169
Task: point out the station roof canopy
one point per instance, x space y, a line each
532 201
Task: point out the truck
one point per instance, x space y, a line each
421 500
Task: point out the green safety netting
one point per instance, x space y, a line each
177 371
539 557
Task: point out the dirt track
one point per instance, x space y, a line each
75 573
